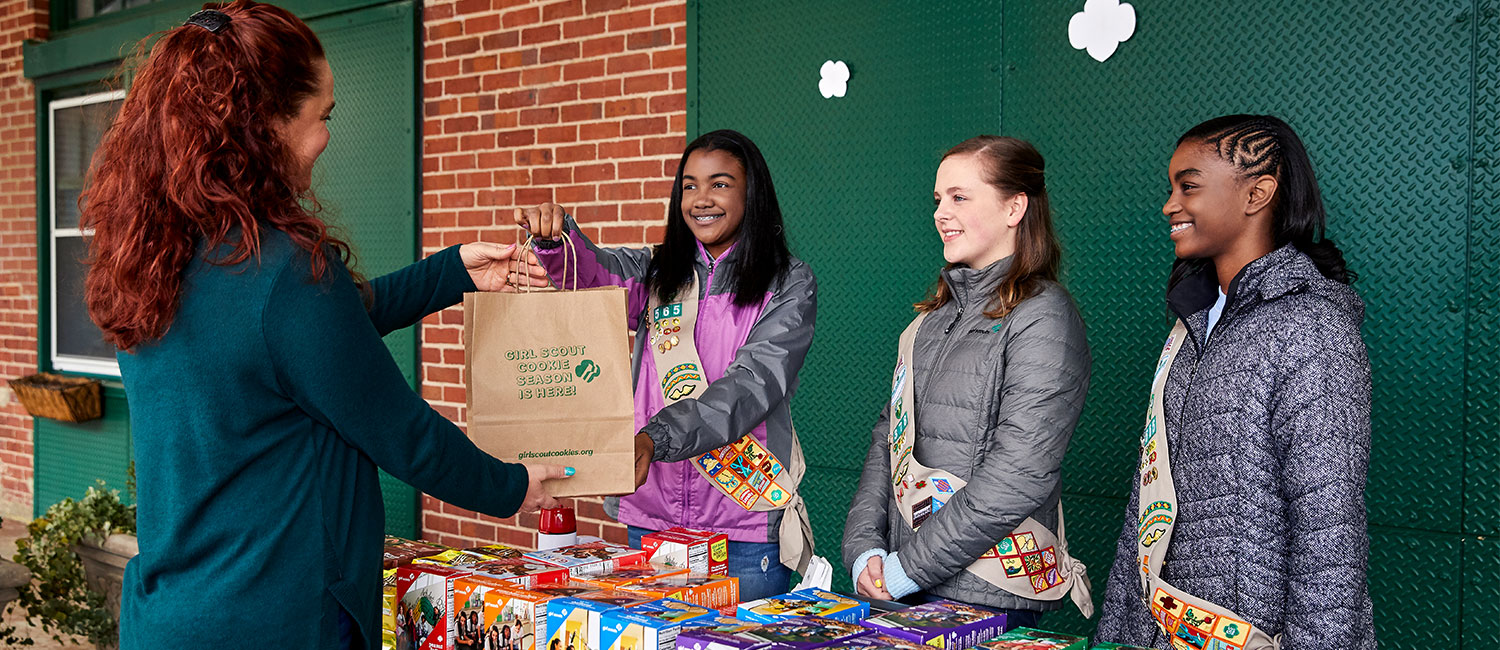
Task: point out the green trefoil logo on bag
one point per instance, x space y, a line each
587 370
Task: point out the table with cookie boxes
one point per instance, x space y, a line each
672 596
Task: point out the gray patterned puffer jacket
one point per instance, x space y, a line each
1269 430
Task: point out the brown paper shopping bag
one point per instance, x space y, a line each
549 381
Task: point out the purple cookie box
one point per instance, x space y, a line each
965 625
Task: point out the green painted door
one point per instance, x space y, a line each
367 179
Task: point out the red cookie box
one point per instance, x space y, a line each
593 558
424 605
699 551
523 573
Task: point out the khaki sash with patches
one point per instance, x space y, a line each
1030 562
1190 623
744 470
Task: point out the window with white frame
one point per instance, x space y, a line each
75 126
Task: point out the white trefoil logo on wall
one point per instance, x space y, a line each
1101 27
835 81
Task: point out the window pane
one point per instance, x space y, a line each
90 8
77 336
76 132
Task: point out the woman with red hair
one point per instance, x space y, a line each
263 399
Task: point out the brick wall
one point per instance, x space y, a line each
582 102
19 20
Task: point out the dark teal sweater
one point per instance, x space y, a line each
259 420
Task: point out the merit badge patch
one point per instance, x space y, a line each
681 381
942 485
920 511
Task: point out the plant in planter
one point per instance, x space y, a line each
60 598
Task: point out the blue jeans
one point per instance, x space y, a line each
757 565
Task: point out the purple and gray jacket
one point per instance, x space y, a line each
751 356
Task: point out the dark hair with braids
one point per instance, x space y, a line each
763 255
1013 166
1263 145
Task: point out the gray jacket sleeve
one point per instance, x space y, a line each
599 267
1047 365
1322 420
763 373
866 526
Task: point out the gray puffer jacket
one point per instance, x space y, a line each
1268 424
996 403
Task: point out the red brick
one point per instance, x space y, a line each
576 153
622 107
461 47
640 169
591 213
512 177
644 126
650 39
461 85
519 17
582 112
558 94
565 9
601 6
584 70
543 115
594 173
530 157
533 195
442 69
559 52
641 212
516 99
445 30
516 138
603 46
462 124
620 149
670 15
629 63
620 192
552 176
574 194
630 20
481 64
477 141
540 76
673 58
668 103
541 34
584 27
648 83
557 134
660 146
482 24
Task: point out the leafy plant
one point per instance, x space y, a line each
59 598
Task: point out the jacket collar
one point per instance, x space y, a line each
966 283
1278 273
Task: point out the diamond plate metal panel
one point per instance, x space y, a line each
1416 589
367 177
828 493
1388 127
853 174
1481 592
1482 484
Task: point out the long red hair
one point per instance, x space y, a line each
195 160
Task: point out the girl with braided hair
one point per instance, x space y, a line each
1252 536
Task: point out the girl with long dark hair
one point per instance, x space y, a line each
1246 522
724 318
262 397
961 492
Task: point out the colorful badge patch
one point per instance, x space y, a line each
942 485
1020 559
920 511
681 381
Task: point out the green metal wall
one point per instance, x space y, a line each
1397 104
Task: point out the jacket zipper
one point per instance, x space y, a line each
949 329
688 472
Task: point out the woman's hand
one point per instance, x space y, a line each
544 221
493 267
536 495
645 448
872 581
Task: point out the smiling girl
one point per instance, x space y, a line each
1253 533
961 492
723 316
